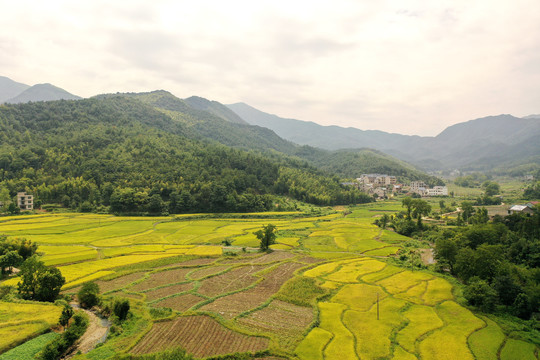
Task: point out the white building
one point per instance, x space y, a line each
437 191
25 201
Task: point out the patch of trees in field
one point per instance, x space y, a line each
499 261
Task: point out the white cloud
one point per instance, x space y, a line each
412 66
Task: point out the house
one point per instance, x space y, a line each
520 209
437 191
25 201
418 187
377 179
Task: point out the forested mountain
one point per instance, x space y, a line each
120 152
348 164
215 108
481 144
42 92
10 88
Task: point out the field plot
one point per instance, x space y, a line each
21 321
319 299
393 313
199 335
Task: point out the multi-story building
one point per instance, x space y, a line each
377 179
25 201
437 191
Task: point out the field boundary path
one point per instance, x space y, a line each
97 331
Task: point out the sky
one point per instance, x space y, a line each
403 66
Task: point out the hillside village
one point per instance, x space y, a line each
385 186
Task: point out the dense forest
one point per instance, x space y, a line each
120 154
499 260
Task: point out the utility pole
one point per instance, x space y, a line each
377 306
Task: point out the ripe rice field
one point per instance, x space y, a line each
314 297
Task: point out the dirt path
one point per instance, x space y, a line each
95 333
427 256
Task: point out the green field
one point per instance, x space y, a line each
317 296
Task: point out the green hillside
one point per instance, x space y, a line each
343 163
119 152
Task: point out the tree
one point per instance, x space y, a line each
89 295
467 209
491 188
121 309
9 260
446 249
39 282
407 202
266 236
478 293
420 207
67 313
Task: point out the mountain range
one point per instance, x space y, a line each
13 92
481 144
500 143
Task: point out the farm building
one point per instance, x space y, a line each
520 209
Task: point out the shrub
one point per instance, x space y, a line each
89 295
121 309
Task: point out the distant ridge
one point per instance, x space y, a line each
10 88
480 144
42 92
215 108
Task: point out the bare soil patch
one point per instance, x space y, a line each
180 303
127 295
193 262
162 278
286 321
310 260
233 280
264 259
235 304
201 336
119 282
206 271
168 290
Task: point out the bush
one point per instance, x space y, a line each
121 309
89 295
478 293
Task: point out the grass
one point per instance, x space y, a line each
422 319
311 348
485 343
517 349
450 342
342 344
302 291
373 336
29 349
438 290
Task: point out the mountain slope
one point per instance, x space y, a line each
325 137
117 151
42 92
215 108
10 88
477 144
209 126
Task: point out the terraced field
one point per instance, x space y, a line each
327 291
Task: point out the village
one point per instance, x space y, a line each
383 186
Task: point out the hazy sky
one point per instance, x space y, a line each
411 67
